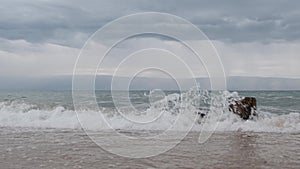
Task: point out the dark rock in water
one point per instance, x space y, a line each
244 108
201 114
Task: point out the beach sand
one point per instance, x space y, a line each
53 148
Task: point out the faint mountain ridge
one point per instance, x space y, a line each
144 83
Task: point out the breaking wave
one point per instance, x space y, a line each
159 116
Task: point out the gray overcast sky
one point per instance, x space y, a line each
253 38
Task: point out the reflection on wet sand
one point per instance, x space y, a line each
21 148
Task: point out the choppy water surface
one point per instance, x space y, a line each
279 111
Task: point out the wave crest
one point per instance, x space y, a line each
19 114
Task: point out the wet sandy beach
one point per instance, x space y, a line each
52 148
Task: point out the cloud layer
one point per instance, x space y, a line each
253 38
71 22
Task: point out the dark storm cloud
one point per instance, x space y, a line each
71 22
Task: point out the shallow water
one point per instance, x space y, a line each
52 148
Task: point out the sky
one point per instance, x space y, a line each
41 38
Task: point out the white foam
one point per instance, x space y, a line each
23 115
265 122
20 115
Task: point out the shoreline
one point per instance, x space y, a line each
65 148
